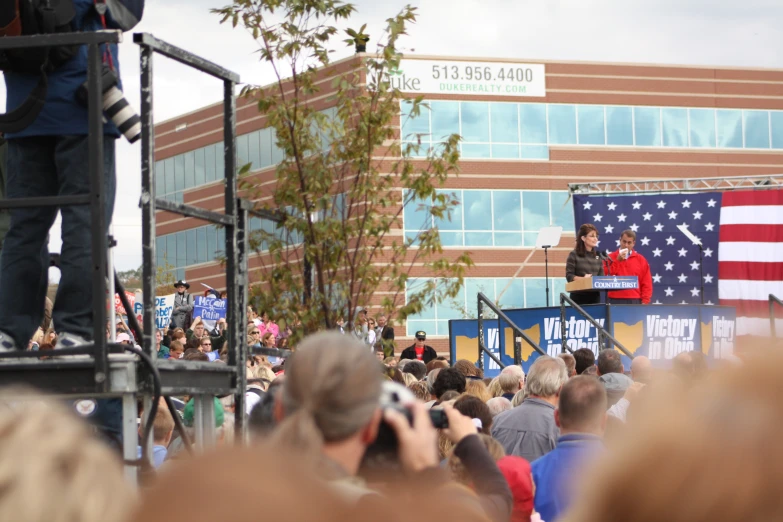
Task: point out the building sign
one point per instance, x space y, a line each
469 78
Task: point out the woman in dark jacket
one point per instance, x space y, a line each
583 261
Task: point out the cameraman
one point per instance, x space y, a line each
50 157
330 411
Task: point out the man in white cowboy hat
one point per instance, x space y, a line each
183 305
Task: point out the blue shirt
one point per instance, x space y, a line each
158 455
63 114
554 473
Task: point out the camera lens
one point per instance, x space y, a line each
116 107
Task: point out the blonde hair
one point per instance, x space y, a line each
325 399
409 378
478 389
38 336
51 467
520 396
458 471
494 388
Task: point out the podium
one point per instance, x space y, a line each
602 283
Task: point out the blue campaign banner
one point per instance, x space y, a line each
210 309
659 332
463 344
718 331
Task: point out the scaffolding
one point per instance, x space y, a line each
109 370
768 181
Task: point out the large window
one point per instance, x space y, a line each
494 218
525 130
528 292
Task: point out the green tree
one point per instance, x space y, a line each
346 175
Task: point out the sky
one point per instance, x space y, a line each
688 32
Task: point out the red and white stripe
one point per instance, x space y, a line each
750 257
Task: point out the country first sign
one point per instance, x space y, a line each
469 78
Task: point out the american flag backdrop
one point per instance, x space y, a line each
742 237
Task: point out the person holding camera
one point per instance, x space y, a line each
332 412
50 157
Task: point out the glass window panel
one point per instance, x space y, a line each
179 197
209 163
190 169
451 239
514 295
179 274
265 147
478 239
452 308
470 150
675 127
506 210
647 126
535 206
442 327
179 172
474 285
619 126
756 124
242 150
201 175
182 254
160 178
445 120
416 216
591 125
475 121
505 151
529 239
190 244
776 123
532 118
277 152
702 127
535 292
455 223
169 169
477 210
562 124
254 150
505 122
211 242
413 286
414 326
508 239
160 250
535 152
220 162
556 287
562 210
221 242
729 128
201 245
171 250
413 126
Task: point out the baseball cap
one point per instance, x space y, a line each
421 334
187 413
123 337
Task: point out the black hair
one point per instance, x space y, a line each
416 368
584 359
449 379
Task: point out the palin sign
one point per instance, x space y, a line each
470 78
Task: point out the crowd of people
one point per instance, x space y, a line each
338 432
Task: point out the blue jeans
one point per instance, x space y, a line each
50 166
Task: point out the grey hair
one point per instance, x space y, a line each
546 377
498 405
402 363
510 378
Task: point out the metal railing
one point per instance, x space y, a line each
483 301
234 218
603 334
773 300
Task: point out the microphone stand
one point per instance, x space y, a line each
546 271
